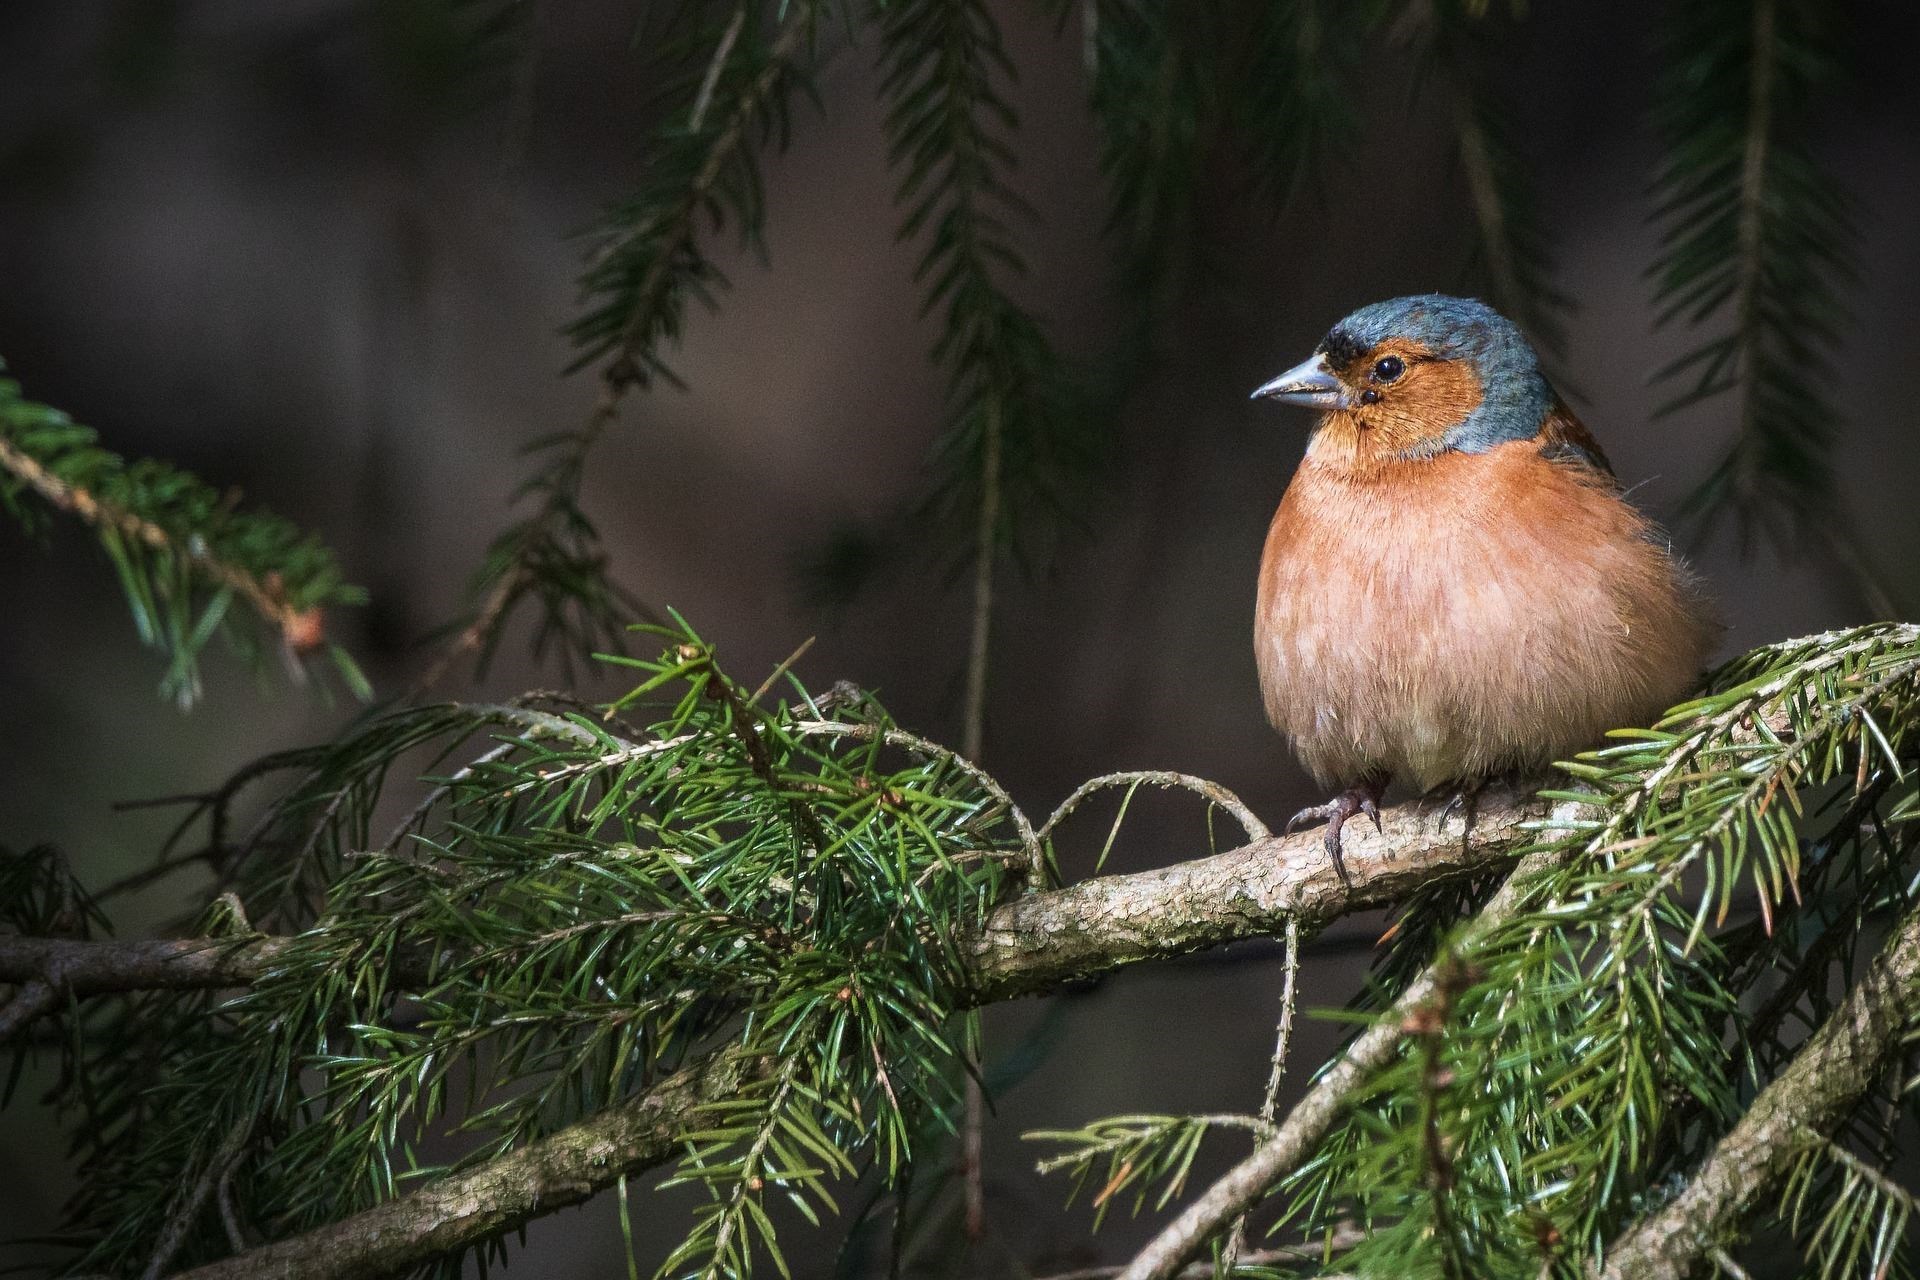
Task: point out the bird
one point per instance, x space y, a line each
1455 587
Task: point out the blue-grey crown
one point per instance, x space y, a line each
1515 395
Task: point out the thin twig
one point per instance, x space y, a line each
750 1164
786 665
531 722
158 871
1211 791
1345 1237
471 636
985 554
1750 232
1724 1260
230 1216
745 720
1283 1038
1029 839
419 812
1282 1042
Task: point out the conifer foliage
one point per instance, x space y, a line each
570 920
192 564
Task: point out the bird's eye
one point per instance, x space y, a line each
1388 368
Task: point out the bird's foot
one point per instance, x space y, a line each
1363 797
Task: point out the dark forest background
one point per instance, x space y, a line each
289 247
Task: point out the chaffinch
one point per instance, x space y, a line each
1455 586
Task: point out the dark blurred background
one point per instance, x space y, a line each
278 245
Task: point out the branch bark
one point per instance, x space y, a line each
462 1209
1832 1071
1046 940
1030 945
84 968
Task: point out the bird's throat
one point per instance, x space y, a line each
1347 444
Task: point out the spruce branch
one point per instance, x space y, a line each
1298 869
1290 95
949 128
1016 441
1864 1222
1758 244
181 549
1165 90
453 1214
1831 1072
587 913
1030 944
1153 100
1215 794
288 857
1136 1153
648 264
1236 1247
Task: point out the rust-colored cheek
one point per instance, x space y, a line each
1429 399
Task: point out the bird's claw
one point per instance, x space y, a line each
1312 813
1363 798
1461 798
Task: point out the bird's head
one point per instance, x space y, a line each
1417 377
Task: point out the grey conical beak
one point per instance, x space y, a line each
1310 383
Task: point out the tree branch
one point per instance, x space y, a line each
462 1209
1831 1072
1033 944
1045 940
301 629
653 297
79 967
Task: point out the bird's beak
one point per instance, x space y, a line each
1310 383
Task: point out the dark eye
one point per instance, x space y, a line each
1388 368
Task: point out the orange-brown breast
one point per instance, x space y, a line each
1453 617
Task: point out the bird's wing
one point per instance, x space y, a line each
1564 439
